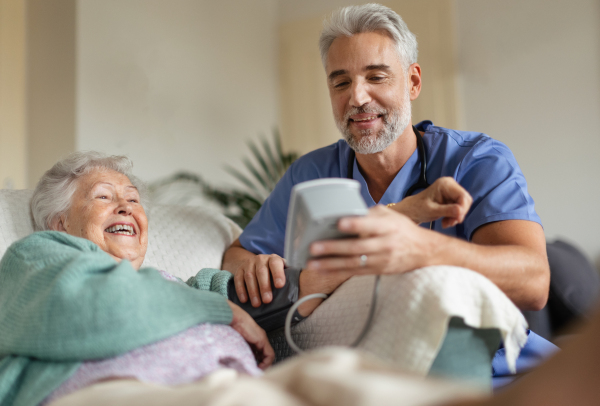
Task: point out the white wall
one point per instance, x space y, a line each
183 84
178 84
530 73
294 10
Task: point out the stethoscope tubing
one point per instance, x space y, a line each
421 183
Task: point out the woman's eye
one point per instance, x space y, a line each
102 197
133 200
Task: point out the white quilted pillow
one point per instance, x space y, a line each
15 222
182 239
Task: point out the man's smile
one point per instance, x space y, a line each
364 120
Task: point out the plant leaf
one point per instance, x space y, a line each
275 165
269 179
242 178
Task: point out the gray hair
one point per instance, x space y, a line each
352 20
53 193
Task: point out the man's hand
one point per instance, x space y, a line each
391 242
252 273
511 253
254 336
444 199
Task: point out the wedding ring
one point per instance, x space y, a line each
363 261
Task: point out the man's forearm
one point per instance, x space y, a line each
511 253
521 273
315 282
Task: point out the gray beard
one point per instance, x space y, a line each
366 142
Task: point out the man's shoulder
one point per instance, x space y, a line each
324 162
458 137
462 142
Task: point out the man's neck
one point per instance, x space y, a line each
380 169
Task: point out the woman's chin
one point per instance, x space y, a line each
135 258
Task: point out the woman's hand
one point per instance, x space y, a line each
254 336
444 199
252 273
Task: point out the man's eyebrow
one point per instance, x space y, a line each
336 73
381 66
340 72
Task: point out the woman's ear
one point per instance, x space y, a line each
58 224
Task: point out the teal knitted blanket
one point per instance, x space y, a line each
64 301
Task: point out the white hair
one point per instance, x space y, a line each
53 194
352 20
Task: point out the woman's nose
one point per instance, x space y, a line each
124 207
359 95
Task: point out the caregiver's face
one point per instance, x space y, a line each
106 210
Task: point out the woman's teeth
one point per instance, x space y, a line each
121 229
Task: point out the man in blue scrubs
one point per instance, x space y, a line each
484 216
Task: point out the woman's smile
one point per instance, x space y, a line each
106 210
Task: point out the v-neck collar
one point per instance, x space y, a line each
396 190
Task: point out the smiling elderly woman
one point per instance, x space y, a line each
74 311
97 198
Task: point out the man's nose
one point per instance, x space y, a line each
359 95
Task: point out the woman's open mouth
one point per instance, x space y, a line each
121 229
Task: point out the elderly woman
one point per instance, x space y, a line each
76 309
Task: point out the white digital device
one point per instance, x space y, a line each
314 211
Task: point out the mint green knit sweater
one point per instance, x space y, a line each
64 301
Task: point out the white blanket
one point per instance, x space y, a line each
329 377
412 315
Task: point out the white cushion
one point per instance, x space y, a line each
182 239
15 221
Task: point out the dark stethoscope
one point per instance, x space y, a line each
421 183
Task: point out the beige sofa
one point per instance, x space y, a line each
412 315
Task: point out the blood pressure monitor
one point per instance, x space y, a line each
314 211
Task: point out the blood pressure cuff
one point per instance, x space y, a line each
271 316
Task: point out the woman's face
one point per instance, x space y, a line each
106 210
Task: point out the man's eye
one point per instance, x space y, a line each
102 197
133 200
377 78
340 85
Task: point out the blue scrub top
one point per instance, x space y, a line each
486 168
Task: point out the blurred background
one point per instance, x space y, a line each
184 84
